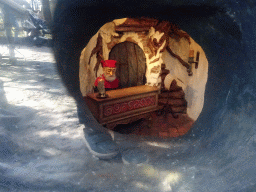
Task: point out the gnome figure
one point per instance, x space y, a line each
109 75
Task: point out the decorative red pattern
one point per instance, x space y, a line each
118 108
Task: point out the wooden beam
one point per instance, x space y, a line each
178 57
131 28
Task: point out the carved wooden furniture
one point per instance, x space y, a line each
124 105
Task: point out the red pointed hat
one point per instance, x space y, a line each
109 63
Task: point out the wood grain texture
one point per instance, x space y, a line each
141 59
131 64
123 64
144 99
126 92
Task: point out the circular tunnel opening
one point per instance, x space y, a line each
162 74
223 160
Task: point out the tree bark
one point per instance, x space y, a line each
47 12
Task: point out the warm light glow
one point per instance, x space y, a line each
166 179
191 53
142 186
169 180
150 171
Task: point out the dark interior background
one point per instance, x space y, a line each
226 30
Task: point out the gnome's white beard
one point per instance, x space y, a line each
110 78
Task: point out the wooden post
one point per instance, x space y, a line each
8 27
163 74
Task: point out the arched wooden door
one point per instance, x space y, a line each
131 64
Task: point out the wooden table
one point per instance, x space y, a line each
123 105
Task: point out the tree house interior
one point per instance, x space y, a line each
148 53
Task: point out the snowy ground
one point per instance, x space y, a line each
45 149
